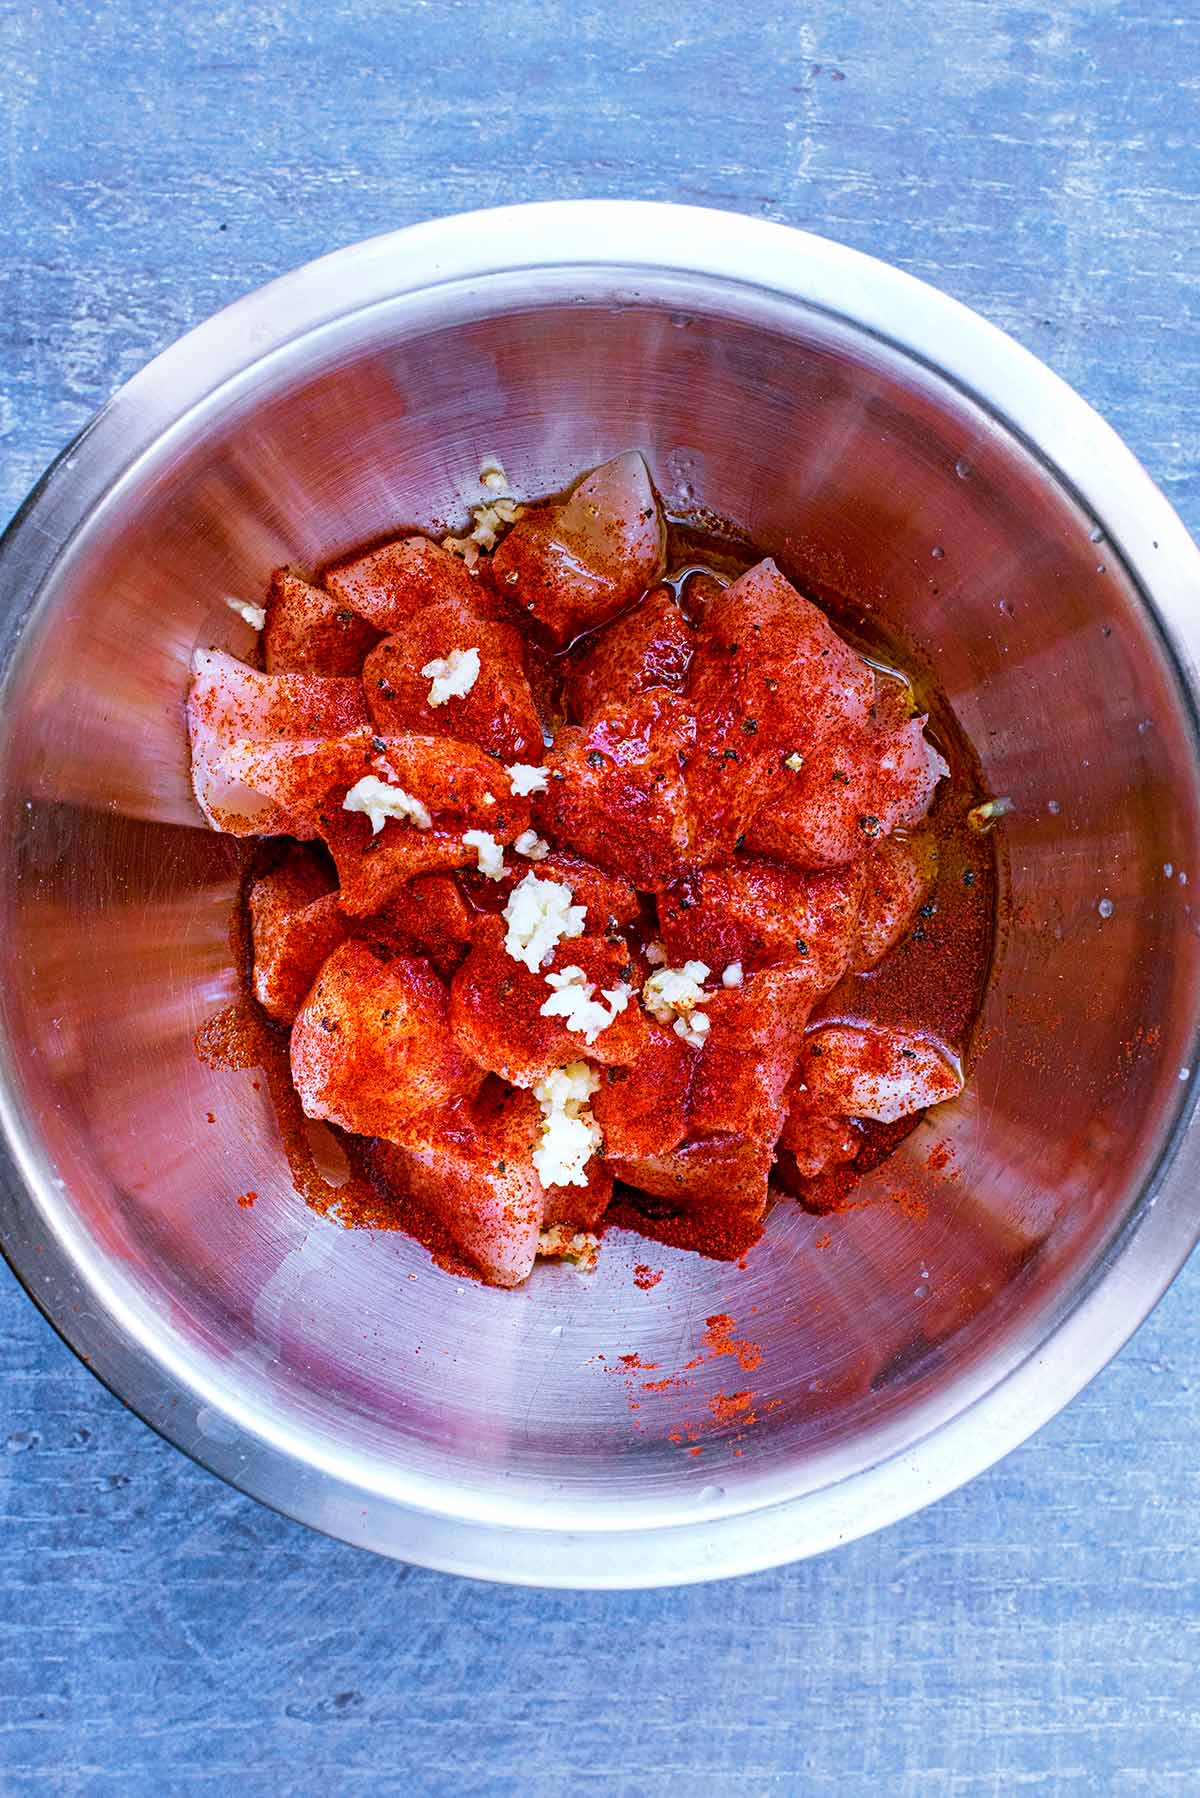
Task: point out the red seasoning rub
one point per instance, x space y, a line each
602 879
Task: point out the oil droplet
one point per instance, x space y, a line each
1052 805
937 552
1096 535
962 468
1105 908
708 1495
921 1291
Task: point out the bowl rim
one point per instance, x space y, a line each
1090 462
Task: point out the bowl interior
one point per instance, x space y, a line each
611 1400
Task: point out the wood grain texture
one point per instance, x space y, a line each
1039 1631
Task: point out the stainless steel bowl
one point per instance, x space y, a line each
892 445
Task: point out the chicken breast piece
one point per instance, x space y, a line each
372 1048
574 565
876 1071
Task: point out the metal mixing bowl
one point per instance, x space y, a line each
888 443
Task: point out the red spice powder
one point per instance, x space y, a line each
247 1199
719 1340
646 1277
732 1408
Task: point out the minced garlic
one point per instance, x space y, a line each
569 1135
255 616
453 676
381 802
524 778
672 996
561 1243
533 847
539 914
490 519
574 1001
491 855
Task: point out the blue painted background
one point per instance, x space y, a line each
1036 1632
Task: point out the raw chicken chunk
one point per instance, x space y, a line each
750 913
429 917
854 789
876 1071
750 1051
610 900
642 1108
715 1188
496 1007
471 1166
295 923
280 788
267 747
372 1048
816 1142
392 584
497 712
770 679
311 631
462 790
897 878
232 703
616 792
651 646
574 565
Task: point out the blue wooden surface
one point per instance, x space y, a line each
1037 1631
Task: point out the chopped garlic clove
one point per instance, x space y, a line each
381 802
539 914
255 616
491 855
453 676
523 778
